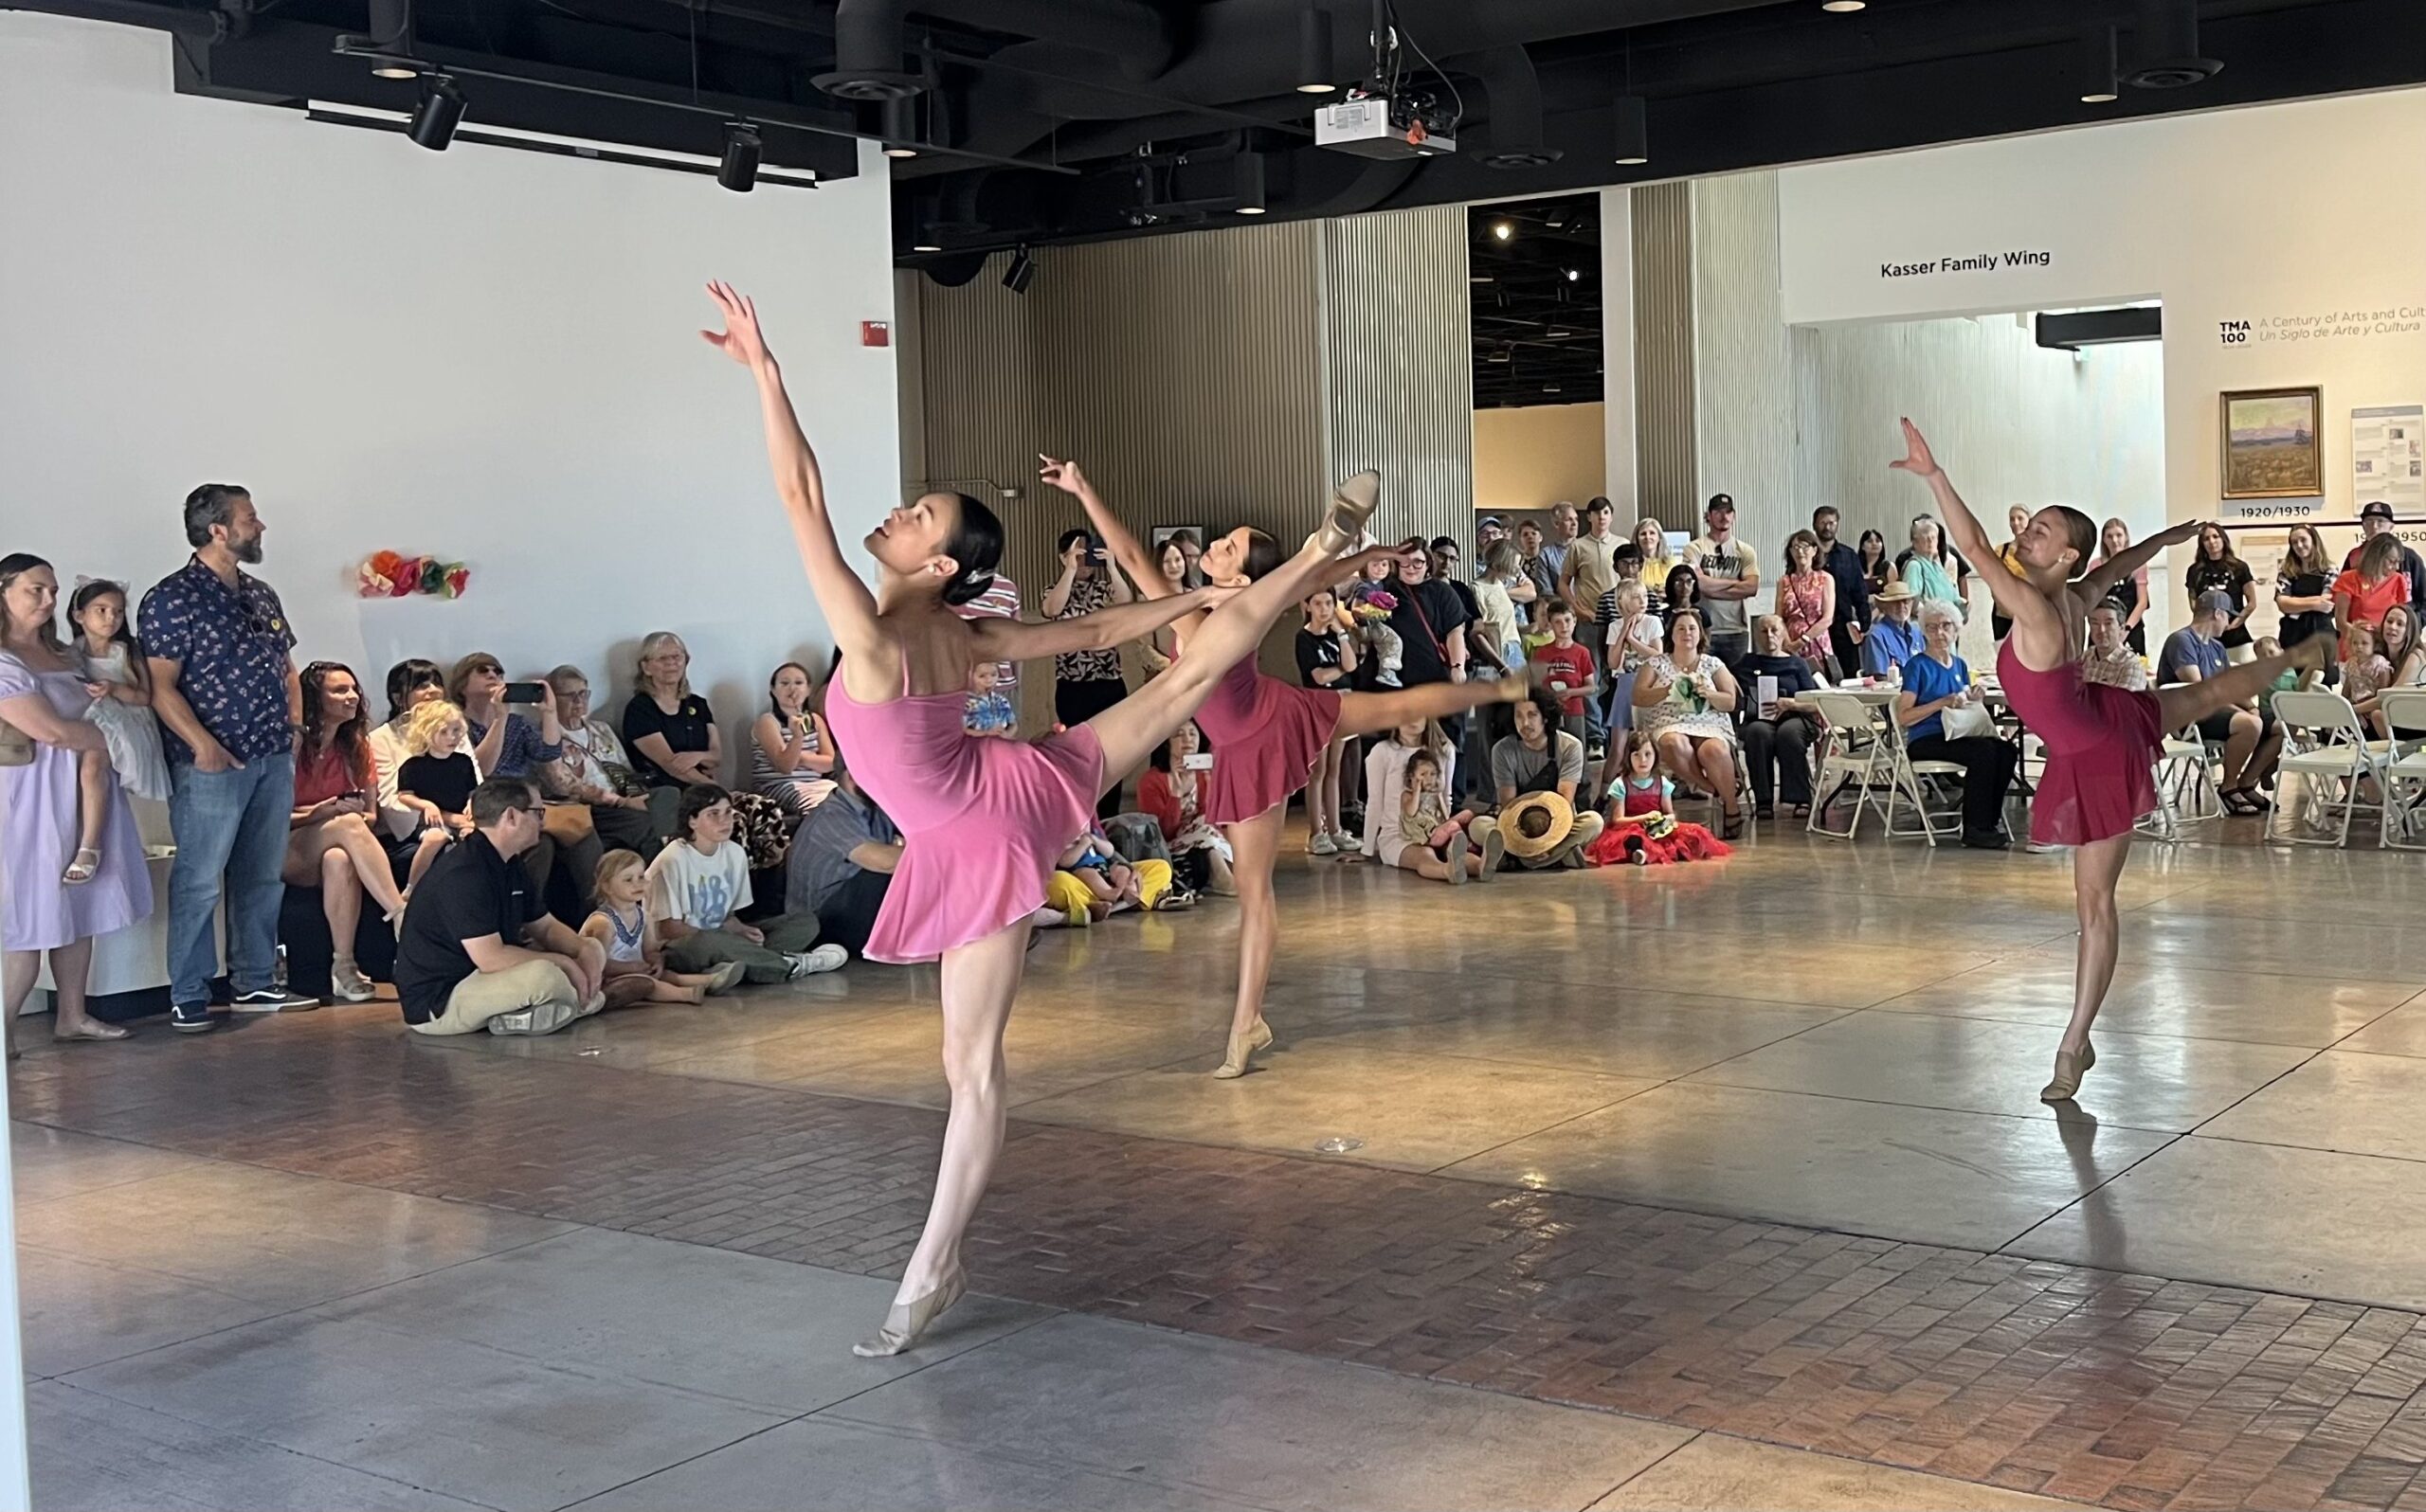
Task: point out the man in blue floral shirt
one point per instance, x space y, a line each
225 687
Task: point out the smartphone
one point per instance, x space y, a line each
1201 762
526 692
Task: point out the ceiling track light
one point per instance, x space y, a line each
389 44
1633 129
1314 50
738 172
901 126
1843 8
2164 47
440 112
1020 273
2099 85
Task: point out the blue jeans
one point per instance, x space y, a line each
229 825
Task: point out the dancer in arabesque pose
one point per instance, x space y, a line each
981 820
2102 742
1266 735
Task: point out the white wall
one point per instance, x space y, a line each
2271 216
482 354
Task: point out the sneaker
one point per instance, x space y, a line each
825 957
274 1000
1494 846
1346 844
348 984
190 1018
1321 844
725 978
1175 898
543 1019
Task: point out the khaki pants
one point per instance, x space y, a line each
1587 829
539 989
706 949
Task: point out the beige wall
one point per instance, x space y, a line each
1531 457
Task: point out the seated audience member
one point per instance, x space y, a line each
698 887
1172 791
1683 699
410 684
478 951
1938 683
1385 781
843 861
1564 667
329 841
1892 638
989 711
2110 659
1093 881
1643 827
1538 758
437 777
511 737
2364 668
1680 592
1777 732
621 923
596 771
2290 680
2398 642
791 752
670 730
2251 740
1433 840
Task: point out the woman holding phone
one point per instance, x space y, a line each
1085 683
329 843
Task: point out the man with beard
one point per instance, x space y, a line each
1843 563
224 684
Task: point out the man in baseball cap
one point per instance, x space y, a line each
1488 530
1731 576
2374 520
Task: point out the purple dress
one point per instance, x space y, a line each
43 913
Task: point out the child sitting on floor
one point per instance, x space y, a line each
621 923
1093 881
1644 827
1435 841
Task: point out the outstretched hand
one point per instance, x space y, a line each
1918 461
2180 534
1061 475
741 338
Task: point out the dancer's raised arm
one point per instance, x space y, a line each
850 608
1012 641
2130 559
1127 552
2016 597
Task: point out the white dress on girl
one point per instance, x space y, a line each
133 734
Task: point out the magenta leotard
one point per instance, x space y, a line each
2102 747
1266 735
982 820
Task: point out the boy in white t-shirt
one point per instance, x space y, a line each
698 887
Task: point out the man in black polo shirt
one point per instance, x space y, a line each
476 950
1842 563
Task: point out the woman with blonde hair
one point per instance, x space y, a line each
670 730
1651 538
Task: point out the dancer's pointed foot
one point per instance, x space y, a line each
1351 504
1243 1049
905 1322
2070 1068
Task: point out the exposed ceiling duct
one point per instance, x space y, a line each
871 37
1512 93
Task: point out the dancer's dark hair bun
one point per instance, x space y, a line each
976 544
1264 556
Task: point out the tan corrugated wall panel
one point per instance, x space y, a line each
1399 358
1663 371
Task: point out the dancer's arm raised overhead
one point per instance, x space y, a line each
2130 559
2033 614
850 608
1010 641
1128 552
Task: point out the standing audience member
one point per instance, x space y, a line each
1807 604
1539 574
1892 638
1877 571
843 861
1937 683
2009 557
2375 519
1538 758
1729 577
1590 573
328 840
1565 524
596 771
1933 570
2363 593
218 649
1681 593
1566 668
1431 626
1163 644
114 673
42 694
1000 601
1635 632
1682 699
1781 723
478 951
2110 659
1085 683
2216 568
2129 594
1502 596
1172 791
1843 565
1326 658
697 888
792 753
2251 740
2304 588
670 730
1651 544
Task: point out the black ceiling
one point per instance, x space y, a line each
1536 271
1048 120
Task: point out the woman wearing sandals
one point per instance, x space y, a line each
65 887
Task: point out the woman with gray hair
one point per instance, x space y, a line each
1930 568
1944 721
596 771
669 730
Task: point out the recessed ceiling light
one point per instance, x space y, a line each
394 70
901 151
1251 209
1501 230
1842 8
927 246
1573 275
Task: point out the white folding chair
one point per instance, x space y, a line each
2404 768
2188 790
2328 750
1851 741
1909 780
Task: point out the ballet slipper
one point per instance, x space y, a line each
2068 1070
905 1322
1351 504
1243 1049
80 870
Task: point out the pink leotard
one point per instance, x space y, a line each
982 820
1266 735
2102 747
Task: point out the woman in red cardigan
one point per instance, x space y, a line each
1172 790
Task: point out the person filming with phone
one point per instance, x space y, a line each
329 843
1172 791
515 734
1085 683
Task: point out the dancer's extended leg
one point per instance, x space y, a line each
1370 713
1254 843
2234 686
980 979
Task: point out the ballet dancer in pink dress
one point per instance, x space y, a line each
2102 742
981 820
1266 735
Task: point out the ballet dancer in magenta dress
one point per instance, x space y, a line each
981 820
1266 735
2102 742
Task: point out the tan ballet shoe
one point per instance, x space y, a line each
1243 1049
2068 1070
1351 504
905 1322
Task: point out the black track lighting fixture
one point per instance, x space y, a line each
2098 83
1633 130
1314 50
899 116
1020 273
2164 47
739 170
391 32
440 112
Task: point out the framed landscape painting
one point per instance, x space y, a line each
2271 445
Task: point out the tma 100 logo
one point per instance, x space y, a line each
2233 333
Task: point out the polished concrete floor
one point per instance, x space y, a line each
1743 1151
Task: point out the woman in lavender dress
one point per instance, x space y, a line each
43 692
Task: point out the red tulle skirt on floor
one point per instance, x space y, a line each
1617 845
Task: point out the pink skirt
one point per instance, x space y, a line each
2101 748
1266 736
